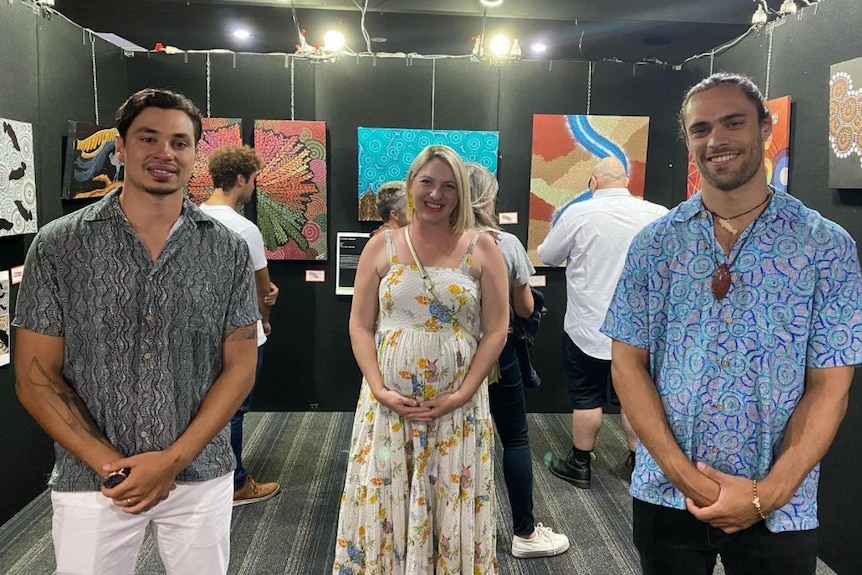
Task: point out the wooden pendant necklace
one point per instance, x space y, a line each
721 278
725 222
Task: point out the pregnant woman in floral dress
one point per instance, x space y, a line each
419 493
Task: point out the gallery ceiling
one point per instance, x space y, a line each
628 30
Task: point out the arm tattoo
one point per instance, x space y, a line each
70 408
241 333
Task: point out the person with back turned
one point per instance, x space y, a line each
506 384
392 206
234 170
592 237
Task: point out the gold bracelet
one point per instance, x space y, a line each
756 500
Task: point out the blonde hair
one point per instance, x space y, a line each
483 196
461 218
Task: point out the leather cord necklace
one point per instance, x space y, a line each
725 222
721 278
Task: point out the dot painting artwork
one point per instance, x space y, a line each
215 133
845 124
291 188
385 154
565 149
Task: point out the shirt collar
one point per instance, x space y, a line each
693 207
611 193
109 208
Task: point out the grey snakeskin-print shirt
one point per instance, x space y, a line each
143 339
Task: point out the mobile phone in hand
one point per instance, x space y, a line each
116 477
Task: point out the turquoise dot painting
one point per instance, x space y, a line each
385 154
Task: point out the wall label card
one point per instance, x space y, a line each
349 246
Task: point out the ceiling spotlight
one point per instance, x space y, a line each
539 48
241 34
788 7
500 45
759 17
333 41
490 3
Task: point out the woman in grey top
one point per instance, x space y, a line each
506 392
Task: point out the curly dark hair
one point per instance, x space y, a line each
229 161
156 98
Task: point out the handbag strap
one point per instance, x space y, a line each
429 285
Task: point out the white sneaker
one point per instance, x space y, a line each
546 543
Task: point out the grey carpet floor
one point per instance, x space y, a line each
294 533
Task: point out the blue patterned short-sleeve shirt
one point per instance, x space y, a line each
143 339
730 373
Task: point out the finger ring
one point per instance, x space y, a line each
128 501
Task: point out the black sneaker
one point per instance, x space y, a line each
575 469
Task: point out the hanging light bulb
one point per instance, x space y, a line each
539 48
759 17
500 45
788 7
333 41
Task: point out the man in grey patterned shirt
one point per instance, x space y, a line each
136 342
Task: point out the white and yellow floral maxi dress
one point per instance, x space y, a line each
419 498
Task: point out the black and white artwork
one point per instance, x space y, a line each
17 179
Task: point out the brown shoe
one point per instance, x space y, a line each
252 492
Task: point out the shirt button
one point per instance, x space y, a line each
144 434
724 363
703 215
145 395
719 407
148 317
728 319
148 355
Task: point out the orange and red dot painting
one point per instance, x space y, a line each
291 188
845 124
565 149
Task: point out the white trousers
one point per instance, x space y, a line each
191 529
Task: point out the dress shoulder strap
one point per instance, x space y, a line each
468 255
390 246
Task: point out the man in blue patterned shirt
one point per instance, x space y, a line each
736 327
136 343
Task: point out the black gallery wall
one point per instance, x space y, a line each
308 363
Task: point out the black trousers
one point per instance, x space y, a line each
674 542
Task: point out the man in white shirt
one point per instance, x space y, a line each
593 237
233 170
